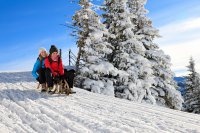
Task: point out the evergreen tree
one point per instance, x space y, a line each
93 50
163 88
124 55
135 75
192 96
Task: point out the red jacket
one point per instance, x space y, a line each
54 66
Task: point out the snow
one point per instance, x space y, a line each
23 109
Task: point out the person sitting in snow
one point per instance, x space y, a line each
54 67
39 69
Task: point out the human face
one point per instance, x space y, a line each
43 54
54 55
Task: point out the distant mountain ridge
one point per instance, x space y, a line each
181 84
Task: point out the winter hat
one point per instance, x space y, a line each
42 49
53 49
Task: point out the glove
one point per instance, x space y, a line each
55 74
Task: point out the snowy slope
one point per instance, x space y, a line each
24 110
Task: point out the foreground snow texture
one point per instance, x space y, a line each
24 110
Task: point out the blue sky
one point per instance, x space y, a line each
27 25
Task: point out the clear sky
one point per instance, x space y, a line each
27 25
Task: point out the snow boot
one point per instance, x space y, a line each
70 91
44 88
50 90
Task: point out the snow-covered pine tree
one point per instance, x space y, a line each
192 96
135 75
93 50
163 88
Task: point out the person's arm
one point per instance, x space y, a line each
61 68
35 69
47 63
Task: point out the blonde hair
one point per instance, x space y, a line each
40 56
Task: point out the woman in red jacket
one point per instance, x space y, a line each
54 66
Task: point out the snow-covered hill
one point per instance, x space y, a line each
23 109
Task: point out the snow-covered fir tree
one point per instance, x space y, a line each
135 74
192 96
143 70
164 87
93 50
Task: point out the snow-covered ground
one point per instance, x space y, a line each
23 109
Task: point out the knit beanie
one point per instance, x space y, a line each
53 49
42 49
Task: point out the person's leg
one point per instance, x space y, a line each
69 76
42 76
39 74
49 78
